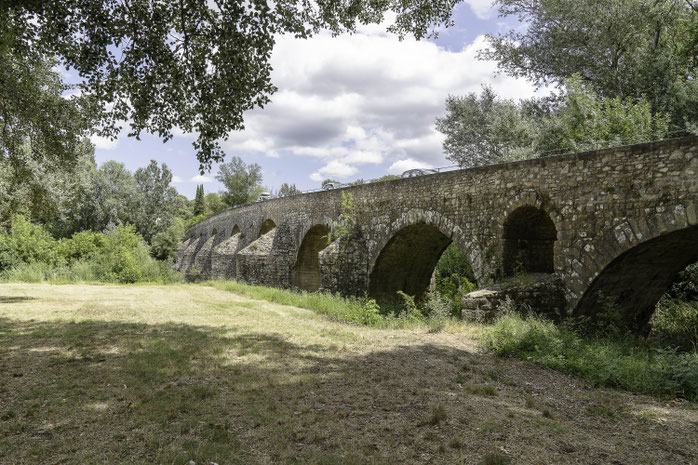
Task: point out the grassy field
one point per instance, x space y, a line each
169 374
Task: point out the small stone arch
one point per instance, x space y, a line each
528 241
214 232
235 230
267 226
306 271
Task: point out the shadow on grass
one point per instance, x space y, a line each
14 299
109 392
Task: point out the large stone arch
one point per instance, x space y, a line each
306 270
405 255
631 265
447 227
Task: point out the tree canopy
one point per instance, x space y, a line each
189 65
243 183
623 48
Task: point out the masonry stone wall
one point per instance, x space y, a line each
603 205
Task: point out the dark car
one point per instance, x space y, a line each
332 185
417 172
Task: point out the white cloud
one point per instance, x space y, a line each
401 166
365 99
104 143
197 179
483 9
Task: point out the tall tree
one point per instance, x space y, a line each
288 189
199 201
190 64
156 206
242 182
623 48
214 203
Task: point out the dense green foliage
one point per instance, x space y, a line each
196 66
242 182
484 129
453 277
629 49
29 253
618 361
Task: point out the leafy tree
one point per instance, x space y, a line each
626 49
164 244
199 201
156 199
191 65
214 203
115 194
36 122
288 190
242 182
483 129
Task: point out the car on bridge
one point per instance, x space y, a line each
264 196
417 172
333 185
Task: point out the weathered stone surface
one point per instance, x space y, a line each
545 294
581 212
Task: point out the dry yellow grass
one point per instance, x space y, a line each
168 374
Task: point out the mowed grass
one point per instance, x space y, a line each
169 374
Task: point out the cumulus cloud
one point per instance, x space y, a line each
104 143
197 179
365 99
483 9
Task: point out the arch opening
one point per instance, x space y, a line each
528 241
407 263
306 272
214 232
267 226
633 282
236 230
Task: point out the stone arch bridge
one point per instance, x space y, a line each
614 224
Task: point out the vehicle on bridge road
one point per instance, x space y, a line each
417 172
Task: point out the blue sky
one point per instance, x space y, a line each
348 107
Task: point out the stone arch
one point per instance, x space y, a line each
406 258
306 271
642 262
267 226
214 232
235 230
528 240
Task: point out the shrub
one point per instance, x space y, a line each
617 361
26 242
675 324
83 245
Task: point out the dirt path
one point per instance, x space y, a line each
168 374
